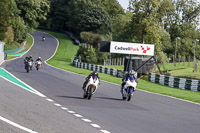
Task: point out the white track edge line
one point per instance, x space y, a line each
16 125
36 92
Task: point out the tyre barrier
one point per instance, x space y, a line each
182 83
101 69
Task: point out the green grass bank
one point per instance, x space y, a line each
29 42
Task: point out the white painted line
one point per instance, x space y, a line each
86 120
77 115
105 131
72 112
36 92
50 100
16 125
56 47
58 105
95 125
64 108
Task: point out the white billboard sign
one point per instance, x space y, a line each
132 48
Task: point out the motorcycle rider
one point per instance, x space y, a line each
94 74
28 59
132 75
39 59
43 38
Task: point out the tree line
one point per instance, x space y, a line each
158 22
19 17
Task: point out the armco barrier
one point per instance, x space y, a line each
15 50
182 83
101 69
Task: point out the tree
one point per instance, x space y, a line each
94 19
57 17
120 24
182 22
33 11
147 21
4 17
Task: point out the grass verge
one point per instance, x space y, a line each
67 50
180 70
29 42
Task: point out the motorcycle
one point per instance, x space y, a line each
129 89
38 64
43 39
90 88
28 66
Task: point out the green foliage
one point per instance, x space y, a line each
93 19
32 11
120 26
88 54
57 17
4 18
91 38
18 17
93 42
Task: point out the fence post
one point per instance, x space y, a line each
173 60
184 61
196 65
189 62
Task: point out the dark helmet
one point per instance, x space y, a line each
95 73
132 73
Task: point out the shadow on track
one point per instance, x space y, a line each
71 97
107 98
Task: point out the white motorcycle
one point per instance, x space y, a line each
91 88
129 89
43 39
38 64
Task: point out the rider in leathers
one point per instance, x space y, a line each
132 74
28 59
94 74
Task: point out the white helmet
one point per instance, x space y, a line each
132 73
39 57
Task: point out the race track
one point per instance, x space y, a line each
145 113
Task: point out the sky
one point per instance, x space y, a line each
124 3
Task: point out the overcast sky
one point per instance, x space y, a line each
124 3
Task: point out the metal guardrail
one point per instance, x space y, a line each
15 50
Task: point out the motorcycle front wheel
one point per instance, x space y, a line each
27 70
85 95
129 94
90 90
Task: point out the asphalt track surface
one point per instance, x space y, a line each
145 113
